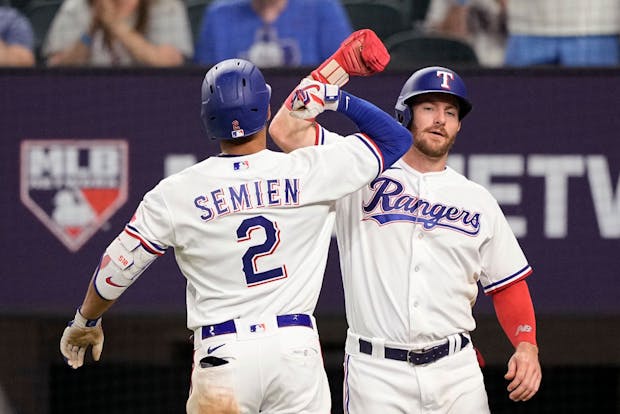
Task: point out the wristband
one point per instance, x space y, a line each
81 322
86 39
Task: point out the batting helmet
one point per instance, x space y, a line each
235 100
434 79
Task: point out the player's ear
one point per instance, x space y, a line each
269 112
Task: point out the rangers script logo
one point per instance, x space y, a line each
73 187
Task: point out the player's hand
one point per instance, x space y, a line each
524 372
78 336
360 54
310 98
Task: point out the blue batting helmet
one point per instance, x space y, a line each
434 79
235 100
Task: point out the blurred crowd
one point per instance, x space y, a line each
289 33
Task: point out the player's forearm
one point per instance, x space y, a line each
290 133
144 51
515 313
94 305
392 138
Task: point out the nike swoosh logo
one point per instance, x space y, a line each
211 349
108 280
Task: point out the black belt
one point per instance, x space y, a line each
228 327
414 357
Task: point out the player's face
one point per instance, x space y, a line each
435 124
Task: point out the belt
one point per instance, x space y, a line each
415 357
228 327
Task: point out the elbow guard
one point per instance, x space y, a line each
123 261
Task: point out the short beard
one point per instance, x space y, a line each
433 151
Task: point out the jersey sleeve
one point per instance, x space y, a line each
336 165
151 223
503 260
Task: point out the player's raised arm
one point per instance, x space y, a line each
360 54
290 133
293 130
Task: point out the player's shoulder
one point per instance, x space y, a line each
184 174
468 185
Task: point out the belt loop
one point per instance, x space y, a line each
452 346
378 347
455 344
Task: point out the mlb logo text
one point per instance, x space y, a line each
241 165
259 327
73 186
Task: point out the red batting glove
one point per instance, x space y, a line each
360 54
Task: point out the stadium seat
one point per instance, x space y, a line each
41 13
384 18
195 11
409 50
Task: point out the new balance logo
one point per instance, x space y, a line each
523 328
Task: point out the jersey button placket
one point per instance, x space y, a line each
416 237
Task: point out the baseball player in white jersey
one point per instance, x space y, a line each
250 229
414 244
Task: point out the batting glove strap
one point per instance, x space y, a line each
80 321
312 98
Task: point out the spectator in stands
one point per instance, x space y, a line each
16 39
481 23
272 33
119 33
563 32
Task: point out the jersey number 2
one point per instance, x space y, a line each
272 240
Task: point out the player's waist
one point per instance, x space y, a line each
414 354
254 326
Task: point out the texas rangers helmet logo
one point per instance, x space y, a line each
73 186
446 77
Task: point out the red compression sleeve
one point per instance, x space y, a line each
515 313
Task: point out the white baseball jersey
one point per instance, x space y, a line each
413 247
251 233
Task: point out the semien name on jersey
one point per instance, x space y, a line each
257 194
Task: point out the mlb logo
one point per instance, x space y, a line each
259 327
241 165
237 133
73 186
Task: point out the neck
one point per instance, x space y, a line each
251 145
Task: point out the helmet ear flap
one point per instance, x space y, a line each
402 113
203 120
